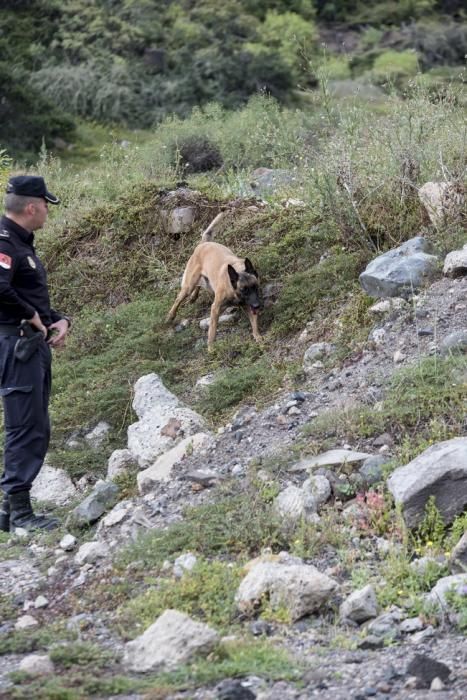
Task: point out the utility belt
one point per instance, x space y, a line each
29 339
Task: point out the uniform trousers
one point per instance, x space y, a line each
25 391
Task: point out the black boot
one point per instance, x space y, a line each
5 515
22 514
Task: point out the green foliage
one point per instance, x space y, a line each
394 65
234 660
431 529
240 523
206 593
27 118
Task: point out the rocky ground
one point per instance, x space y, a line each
338 665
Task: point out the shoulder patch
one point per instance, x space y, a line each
4 233
32 262
5 261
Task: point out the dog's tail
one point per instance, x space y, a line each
208 233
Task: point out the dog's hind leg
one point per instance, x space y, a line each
186 290
194 295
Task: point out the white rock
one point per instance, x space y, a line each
178 220
120 461
172 640
68 543
90 552
315 353
441 200
97 435
399 356
163 421
334 457
437 684
293 504
183 563
300 588
41 602
53 485
455 263
386 305
161 469
36 665
360 606
25 622
115 516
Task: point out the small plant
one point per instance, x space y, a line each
431 531
377 517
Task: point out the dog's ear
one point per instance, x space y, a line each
233 274
249 268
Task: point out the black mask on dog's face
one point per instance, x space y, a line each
245 285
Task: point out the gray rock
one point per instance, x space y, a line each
233 690
438 594
360 606
411 625
319 488
400 272
25 622
386 625
371 470
102 496
458 561
454 344
179 219
90 552
426 669
68 543
172 640
36 665
315 352
183 563
293 504
334 458
440 471
300 588
455 263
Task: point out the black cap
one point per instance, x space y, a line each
30 186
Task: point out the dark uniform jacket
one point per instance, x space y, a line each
23 279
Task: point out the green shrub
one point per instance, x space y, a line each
394 65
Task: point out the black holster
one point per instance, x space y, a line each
28 343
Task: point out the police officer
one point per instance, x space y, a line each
25 355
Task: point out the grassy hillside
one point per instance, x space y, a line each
116 270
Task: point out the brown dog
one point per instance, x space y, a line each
214 267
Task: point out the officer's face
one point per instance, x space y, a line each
39 211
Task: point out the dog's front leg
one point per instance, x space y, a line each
215 313
254 325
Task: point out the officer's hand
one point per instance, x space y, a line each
37 323
57 340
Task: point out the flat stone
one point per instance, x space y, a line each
335 457
36 665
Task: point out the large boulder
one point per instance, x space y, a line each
402 271
440 471
299 588
163 421
438 596
172 640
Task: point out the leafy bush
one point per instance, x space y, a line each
394 65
